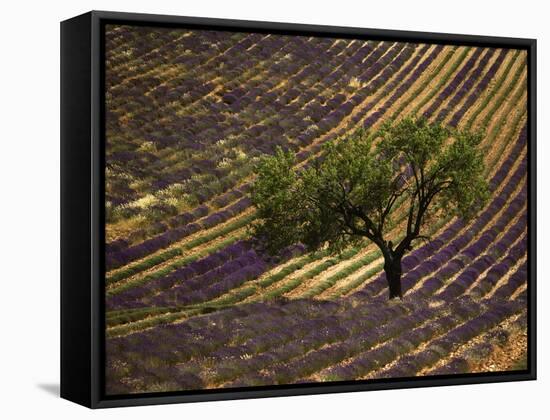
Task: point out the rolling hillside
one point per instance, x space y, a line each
191 304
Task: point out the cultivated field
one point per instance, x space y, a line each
191 304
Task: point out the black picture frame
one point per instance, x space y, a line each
83 218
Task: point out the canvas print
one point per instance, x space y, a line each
286 209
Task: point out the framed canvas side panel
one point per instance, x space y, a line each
76 259
532 209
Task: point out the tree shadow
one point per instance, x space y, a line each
52 389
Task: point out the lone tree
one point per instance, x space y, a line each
360 186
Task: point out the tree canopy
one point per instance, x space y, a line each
351 191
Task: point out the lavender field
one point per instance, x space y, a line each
192 303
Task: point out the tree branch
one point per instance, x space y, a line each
417 181
414 233
433 177
411 213
393 198
368 222
350 225
422 184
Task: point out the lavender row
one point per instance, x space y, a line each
161 242
203 279
471 274
262 136
467 85
402 89
135 90
515 281
212 283
467 277
432 56
153 118
415 258
255 134
478 353
411 365
455 82
228 56
270 349
255 138
191 346
471 266
310 362
209 333
123 256
186 123
144 57
369 361
207 121
245 323
190 270
308 333
419 256
478 89
413 76
496 272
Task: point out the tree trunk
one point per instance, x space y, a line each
392 267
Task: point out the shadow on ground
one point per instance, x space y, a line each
52 389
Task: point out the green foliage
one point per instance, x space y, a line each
349 193
446 164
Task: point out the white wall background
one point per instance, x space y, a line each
29 208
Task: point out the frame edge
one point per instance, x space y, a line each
75 126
